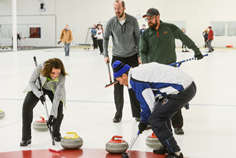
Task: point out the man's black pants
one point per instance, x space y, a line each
163 112
27 114
177 120
119 93
95 43
100 44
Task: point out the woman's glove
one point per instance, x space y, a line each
42 99
50 121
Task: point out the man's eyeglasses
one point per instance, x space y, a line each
149 19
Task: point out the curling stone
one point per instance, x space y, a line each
40 125
71 142
2 114
116 145
152 141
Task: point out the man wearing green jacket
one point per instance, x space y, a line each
157 44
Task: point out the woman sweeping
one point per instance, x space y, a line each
52 74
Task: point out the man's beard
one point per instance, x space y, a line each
120 15
153 26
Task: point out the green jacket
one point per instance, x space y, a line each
159 45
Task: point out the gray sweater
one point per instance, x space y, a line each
57 86
125 37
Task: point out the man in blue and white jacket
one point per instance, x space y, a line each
162 90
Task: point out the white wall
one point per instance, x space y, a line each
27 7
28 12
47 24
82 14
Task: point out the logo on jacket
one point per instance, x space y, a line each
165 32
164 101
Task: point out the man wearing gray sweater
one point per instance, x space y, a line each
124 30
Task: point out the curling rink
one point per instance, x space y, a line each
209 124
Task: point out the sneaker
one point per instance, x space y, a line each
175 156
209 51
186 50
25 142
212 49
179 131
138 119
160 150
183 51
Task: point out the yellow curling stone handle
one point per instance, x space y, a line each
0 110
75 135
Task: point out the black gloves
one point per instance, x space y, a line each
142 127
42 98
199 56
50 121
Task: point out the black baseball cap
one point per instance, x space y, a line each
151 12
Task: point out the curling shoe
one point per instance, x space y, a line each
179 131
160 150
138 119
25 142
116 120
175 156
125 155
57 139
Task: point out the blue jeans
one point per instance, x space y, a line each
67 49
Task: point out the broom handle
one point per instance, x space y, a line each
180 62
46 109
109 72
132 143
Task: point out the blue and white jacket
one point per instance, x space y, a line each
153 81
